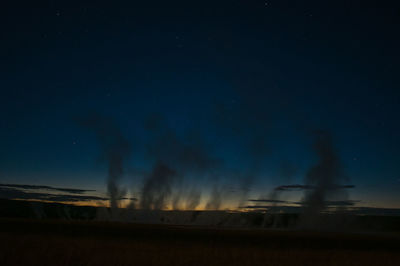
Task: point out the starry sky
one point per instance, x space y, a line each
242 84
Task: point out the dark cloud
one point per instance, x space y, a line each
298 187
274 209
14 193
68 190
339 203
375 211
328 203
293 187
271 201
20 192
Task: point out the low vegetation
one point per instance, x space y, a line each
32 242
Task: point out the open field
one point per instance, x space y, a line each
29 242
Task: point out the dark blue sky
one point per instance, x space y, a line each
244 81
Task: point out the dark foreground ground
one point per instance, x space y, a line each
34 242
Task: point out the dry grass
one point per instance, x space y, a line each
107 244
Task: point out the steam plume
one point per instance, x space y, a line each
115 149
176 157
324 176
157 187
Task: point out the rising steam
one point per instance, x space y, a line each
115 149
324 177
157 187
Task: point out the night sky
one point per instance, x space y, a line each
227 94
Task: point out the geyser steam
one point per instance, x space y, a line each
324 177
115 149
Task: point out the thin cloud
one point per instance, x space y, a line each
12 191
298 187
68 190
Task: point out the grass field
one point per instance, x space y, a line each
30 242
